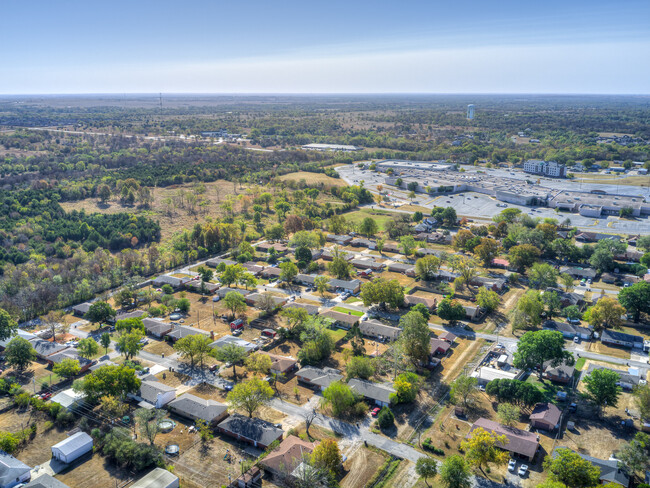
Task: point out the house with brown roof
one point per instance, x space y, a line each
407 269
270 272
438 346
520 442
545 416
411 300
561 373
156 327
450 337
252 268
345 320
283 460
281 365
207 287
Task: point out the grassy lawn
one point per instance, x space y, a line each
313 178
348 311
379 216
549 389
337 334
580 363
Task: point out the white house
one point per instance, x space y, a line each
155 393
12 471
72 448
157 478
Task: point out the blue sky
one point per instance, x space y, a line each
486 46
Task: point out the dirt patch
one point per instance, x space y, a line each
360 467
600 348
159 347
94 472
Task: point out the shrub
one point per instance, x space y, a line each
48 425
386 419
64 418
428 445
55 408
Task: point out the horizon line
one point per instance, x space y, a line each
158 94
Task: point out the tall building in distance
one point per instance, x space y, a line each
545 168
470 111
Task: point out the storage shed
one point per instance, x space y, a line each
157 478
72 448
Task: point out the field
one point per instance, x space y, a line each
360 467
381 217
313 179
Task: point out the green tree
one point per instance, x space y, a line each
148 421
487 250
463 390
523 256
642 400
108 380
258 363
602 388
196 348
99 312
369 227
327 456
235 302
129 325
487 299
385 418
553 303
406 388
289 272
529 310
322 284
87 348
339 267
105 341
508 414
567 281
483 448
426 467
635 455
230 353
572 312
569 468
67 368
455 473
415 337
537 347
605 314
427 267
129 344
8 325
407 244
19 353
636 299
450 310
383 292
250 395
340 398
232 273
542 275
295 317
360 367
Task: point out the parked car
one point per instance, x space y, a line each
511 465
46 396
375 411
523 469
576 339
216 298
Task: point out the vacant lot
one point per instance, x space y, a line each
381 217
313 179
94 472
360 467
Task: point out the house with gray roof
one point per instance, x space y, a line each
214 262
45 481
520 442
351 286
155 393
207 287
157 478
610 471
561 373
311 309
230 339
180 331
12 471
81 309
45 348
318 378
380 394
406 269
156 327
162 280
222 292
254 431
377 330
195 408
305 279
69 353
345 320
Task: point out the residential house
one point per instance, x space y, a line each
222 292
568 298
501 263
328 255
438 346
257 432
305 279
254 299
595 237
377 393
545 416
283 460
407 269
195 408
215 262
379 331
155 393
157 478
318 378
345 320
473 313
610 471
156 327
520 442
45 348
135 314
341 240
72 448
180 331
350 286
578 273
267 246
81 309
12 471
175 283
311 309
628 379
270 273
229 339
494 284
562 373
70 353
412 300
207 287
629 255
444 275
391 247
485 374
449 337
68 399
281 365
45 481
615 338
610 278
28 336
425 251
252 268
360 242
367 264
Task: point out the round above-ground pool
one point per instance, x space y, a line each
172 449
166 425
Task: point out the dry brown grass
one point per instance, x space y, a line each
360 467
600 348
313 179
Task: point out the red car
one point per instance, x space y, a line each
375 411
46 396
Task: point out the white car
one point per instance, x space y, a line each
511 465
523 469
